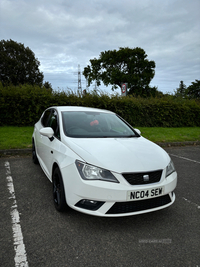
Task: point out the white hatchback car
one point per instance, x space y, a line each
98 164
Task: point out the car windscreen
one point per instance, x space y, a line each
81 124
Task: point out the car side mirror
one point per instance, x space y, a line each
138 131
48 132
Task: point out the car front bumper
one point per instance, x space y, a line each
110 199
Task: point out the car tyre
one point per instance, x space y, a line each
34 155
58 191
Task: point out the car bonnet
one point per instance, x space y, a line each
120 154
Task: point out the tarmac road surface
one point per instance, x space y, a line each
33 233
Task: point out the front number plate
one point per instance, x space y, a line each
144 194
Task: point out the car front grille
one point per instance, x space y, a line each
138 178
134 206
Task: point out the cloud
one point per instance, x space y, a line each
63 34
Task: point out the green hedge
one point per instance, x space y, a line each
23 106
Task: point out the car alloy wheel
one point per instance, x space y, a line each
58 191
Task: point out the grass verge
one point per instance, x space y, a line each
159 134
12 137
20 137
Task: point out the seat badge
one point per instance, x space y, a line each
146 178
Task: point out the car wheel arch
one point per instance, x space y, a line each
63 206
55 165
34 152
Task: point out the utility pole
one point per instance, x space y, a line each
79 80
85 91
87 86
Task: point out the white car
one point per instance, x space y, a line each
98 164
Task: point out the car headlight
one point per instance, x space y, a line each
170 168
89 172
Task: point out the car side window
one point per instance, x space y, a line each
53 123
45 117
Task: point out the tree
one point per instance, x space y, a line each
18 64
123 66
193 90
48 86
181 91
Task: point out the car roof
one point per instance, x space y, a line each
80 108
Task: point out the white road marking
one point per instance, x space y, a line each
19 247
192 203
185 158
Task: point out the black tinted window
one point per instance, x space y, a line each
45 117
53 123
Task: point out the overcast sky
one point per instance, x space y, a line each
65 33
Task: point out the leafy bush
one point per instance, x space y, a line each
23 106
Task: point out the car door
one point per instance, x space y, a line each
39 139
49 146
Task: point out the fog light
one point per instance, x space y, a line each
89 204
